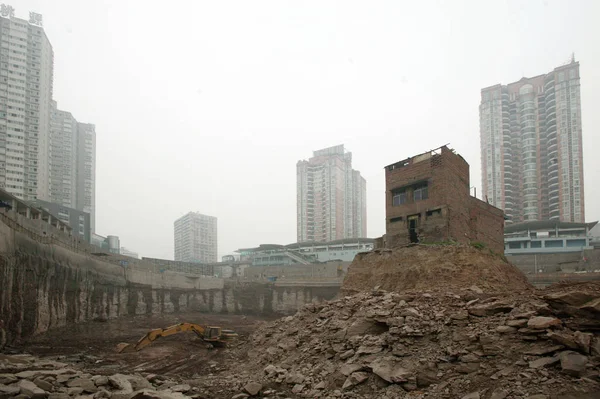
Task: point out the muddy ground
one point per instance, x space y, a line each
92 345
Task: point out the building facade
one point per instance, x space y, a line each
26 73
428 200
85 183
331 197
72 163
77 219
548 237
111 244
196 238
305 253
531 147
63 170
126 252
44 152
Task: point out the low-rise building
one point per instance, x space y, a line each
428 200
547 237
14 208
111 244
205 269
306 252
79 221
124 251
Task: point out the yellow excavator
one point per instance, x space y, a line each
213 335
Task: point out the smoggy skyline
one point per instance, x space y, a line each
207 106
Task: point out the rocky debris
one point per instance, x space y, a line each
26 377
441 344
355 379
43 384
253 388
31 390
573 363
541 322
7 391
453 336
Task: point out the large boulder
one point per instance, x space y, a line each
593 305
31 390
573 298
355 379
572 363
542 322
253 388
391 370
151 394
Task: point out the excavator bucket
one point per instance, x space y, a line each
125 347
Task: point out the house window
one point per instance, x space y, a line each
420 193
434 212
394 220
399 198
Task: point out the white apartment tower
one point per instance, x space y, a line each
26 68
196 238
63 170
531 147
72 162
44 152
85 156
331 197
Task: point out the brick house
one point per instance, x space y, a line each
428 200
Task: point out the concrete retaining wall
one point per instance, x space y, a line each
44 285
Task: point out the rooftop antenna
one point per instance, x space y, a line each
572 57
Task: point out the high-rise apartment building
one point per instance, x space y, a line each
331 197
196 238
85 184
26 68
45 153
531 147
63 166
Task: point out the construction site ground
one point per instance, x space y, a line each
419 322
92 345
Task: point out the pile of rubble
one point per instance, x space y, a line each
448 267
459 344
26 377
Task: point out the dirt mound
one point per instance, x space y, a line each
444 344
433 267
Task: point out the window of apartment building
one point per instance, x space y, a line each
420 193
399 198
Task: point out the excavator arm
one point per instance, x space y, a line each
209 334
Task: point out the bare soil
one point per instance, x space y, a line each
93 345
433 267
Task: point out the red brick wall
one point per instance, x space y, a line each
447 175
455 172
460 218
486 225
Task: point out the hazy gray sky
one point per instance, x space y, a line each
208 105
